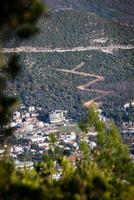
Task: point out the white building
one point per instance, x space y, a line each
57 116
34 138
27 126
40 124
16 115
27 115
127 105
31 109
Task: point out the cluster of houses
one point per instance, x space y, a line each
127 132
127 129
31 147
27 119
32 137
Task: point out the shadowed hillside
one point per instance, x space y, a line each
120 10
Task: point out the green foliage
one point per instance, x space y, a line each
84 148
19 16
53 139
52 89
71 29
27 30
13 66
83 126
105 173
119 10
92 117
108 175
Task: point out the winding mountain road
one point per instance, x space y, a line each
85 87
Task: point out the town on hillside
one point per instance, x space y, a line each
32 136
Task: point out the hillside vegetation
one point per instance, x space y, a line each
120 10
70 29
40 84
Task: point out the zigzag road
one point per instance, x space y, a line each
86 86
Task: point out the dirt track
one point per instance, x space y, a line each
29 49
86 86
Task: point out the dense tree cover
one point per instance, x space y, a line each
20 17
39 84
52 89
103 173
106 172
70 29
121 115
119 10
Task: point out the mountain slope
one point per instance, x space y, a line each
71 29
120 10
43 81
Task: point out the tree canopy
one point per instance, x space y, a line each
20 17
103 173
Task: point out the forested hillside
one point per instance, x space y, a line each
71 29
120 10
41 84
